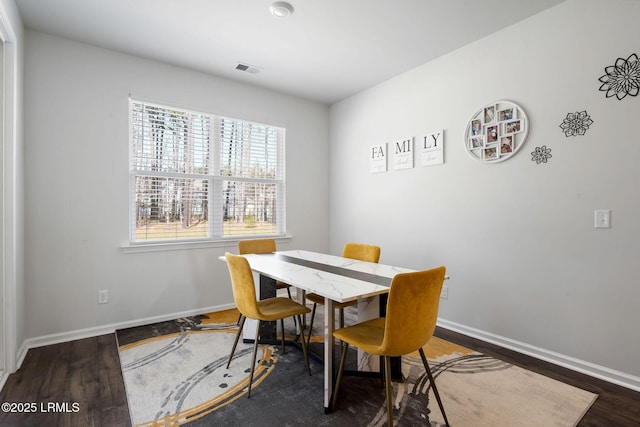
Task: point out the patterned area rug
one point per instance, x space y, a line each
175 374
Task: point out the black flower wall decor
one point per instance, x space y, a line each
541 154
576 123
622 78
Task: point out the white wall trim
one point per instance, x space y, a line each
588 368
109 329
133 248
9 181
3 379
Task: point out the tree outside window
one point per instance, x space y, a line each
201 176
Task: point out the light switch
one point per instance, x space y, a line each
602 218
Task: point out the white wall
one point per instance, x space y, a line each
76 149
527 267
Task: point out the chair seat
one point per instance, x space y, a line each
366 335
279 308
319 299
282 285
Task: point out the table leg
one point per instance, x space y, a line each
329 322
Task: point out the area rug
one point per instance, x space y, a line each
175 374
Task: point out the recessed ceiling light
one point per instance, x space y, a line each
281 9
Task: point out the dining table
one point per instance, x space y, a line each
335 278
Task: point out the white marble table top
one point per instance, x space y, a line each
350 264
329 285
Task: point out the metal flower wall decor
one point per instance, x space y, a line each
622 78
576 123
541 154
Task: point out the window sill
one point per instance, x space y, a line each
132 248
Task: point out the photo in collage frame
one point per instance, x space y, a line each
496 131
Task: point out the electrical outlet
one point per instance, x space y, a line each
602 218
103 296
445 292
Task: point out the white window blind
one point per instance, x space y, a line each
201 176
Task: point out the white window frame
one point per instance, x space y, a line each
215 183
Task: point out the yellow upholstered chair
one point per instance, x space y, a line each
262 246
358 251
412 311
271 309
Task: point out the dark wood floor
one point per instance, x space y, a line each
87 373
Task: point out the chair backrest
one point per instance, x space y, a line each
256 246
244 290
412 311
361 252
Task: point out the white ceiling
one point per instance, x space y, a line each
325 51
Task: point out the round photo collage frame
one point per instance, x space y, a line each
496 131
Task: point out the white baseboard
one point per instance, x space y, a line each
108 329
588 368
3 378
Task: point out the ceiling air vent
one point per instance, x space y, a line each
248 68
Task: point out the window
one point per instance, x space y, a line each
201 176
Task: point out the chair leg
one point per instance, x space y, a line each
313 314
304 348
341 318
253 362
343 357
389 389
433 384
295 323
304 316
235 343
282 327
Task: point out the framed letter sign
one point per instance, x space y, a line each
378 158
433 149
403 153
